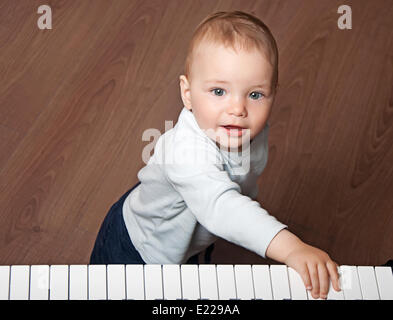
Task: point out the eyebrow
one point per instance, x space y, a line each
226 82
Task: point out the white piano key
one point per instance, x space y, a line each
350 283
190 281
19 282
4 282
310 297
116 281
296 285
153 282
135 285
39 282
171 281
226 282
385 282
262 282
333 294
280 285
368 283
58 282
78 282
238 281
244 283
97 282
208 282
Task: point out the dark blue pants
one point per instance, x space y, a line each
113 244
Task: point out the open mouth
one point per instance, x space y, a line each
234 131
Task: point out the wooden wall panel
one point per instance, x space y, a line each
75 100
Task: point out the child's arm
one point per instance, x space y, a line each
312 264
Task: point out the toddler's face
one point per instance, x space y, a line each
229 88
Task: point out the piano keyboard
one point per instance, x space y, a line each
187 281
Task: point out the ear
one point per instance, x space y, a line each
185 92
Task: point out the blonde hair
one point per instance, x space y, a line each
231 29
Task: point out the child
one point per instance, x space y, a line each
180 206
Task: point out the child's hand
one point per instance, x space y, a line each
315 267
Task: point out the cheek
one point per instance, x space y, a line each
202 100
204 106
259 118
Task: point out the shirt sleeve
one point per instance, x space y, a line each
218 204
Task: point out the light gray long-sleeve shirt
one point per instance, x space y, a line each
183 205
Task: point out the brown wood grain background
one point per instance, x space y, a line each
75 100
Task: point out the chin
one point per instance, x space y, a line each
233 144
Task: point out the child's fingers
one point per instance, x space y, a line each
333 273
305 275
323 280
312 269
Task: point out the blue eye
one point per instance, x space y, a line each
254 95
260 95
218 90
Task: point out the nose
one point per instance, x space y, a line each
237 106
